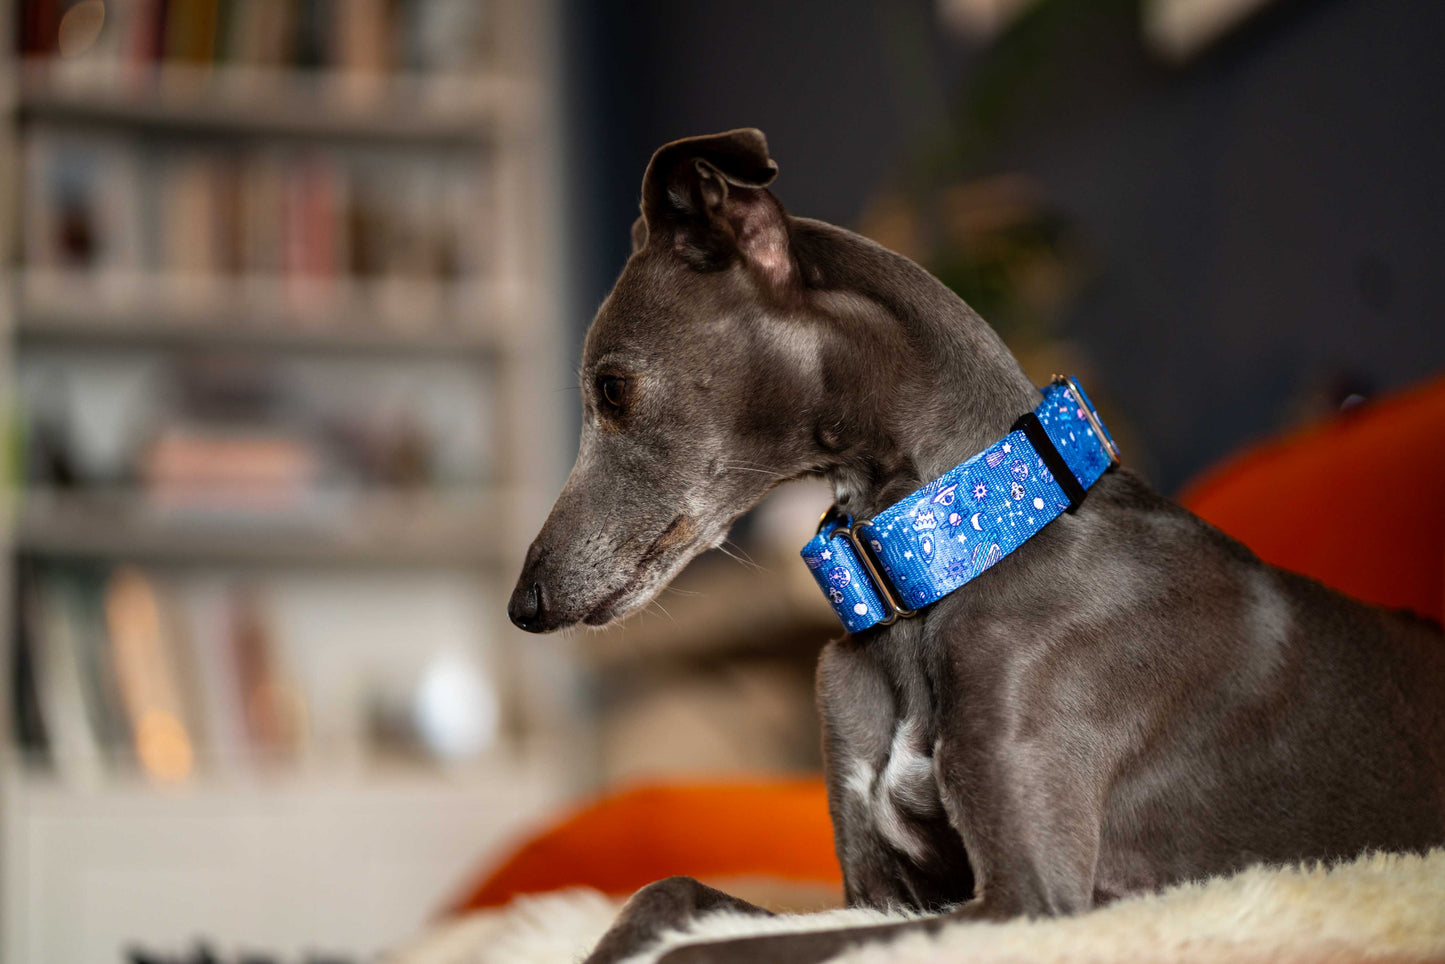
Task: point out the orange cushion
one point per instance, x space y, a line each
623 842
1357 502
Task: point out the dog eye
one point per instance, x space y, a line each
613 391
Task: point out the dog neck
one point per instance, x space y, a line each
926 383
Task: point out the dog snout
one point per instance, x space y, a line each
528 607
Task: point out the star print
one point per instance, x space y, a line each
1008 447
827 553
908 555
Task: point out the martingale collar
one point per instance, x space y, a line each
944 535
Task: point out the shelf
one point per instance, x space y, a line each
140 331
398 529
224 784
271 102
75 309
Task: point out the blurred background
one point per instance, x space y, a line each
293 295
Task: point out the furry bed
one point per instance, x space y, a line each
1377 908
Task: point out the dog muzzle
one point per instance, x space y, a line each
946 534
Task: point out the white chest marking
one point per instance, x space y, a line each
906 784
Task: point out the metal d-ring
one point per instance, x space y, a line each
1092 417
885 589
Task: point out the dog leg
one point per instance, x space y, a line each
668 904
894 840
1028 811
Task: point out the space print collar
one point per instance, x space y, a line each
944 535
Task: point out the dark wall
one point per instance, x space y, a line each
1269 222
840 89
1265 220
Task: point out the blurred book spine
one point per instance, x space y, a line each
74 696
145 658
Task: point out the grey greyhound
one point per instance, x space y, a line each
1128 700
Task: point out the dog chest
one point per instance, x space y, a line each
899 791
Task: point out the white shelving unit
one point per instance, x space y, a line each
325 856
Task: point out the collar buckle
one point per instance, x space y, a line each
848 529
875 574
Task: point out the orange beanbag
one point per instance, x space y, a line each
623 842
1357 502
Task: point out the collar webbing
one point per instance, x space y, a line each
930 543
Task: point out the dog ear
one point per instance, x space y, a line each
639 234
707 196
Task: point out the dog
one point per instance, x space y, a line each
1127 700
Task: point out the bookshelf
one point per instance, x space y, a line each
312 245
57 310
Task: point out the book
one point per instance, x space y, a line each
148 674
203 603
27 710
84 217
82 588
75 747
190 32
272 709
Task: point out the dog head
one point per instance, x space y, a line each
698 378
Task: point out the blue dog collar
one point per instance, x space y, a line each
922 548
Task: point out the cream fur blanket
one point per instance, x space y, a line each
1377 908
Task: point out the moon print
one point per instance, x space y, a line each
860 608
974 519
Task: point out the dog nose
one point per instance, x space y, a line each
527 607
